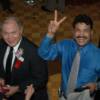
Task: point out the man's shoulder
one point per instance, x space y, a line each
66 42
2 44
95 50
2 41
28 43
94 47
98 50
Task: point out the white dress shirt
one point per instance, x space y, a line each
15 48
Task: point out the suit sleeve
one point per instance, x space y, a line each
39 71
36 68
1 60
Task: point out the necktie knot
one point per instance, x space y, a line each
11 49
10 52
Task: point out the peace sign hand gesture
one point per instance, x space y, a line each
54 24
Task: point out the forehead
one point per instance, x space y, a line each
9 23
10 26
82 25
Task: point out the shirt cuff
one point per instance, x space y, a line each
50 36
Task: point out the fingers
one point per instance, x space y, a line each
2 82
30 87
62 20
54 24
55 15
55 18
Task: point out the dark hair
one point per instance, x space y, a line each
83 19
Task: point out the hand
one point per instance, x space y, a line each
29 92
92 86
12 90
54 24
4 99
2 82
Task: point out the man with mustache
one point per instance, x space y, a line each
65 51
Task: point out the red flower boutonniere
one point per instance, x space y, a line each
20 59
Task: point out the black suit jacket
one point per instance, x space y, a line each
33 69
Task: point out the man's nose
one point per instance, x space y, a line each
81 33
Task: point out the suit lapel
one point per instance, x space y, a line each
15 61
4 47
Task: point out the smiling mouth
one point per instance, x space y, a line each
81 39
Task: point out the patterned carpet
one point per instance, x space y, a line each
36 21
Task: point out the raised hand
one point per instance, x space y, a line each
29 92
54 24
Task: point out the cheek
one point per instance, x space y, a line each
5 38
12 39
76 34
15 39
88 35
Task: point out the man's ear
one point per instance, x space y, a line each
21 30
92 34
92 31
73 32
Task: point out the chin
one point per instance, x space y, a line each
82 44
11 45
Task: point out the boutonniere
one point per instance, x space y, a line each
19 57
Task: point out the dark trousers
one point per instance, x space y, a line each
1 96
40 95
17 96
97 95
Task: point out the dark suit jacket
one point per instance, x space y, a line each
32 70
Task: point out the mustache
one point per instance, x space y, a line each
82 37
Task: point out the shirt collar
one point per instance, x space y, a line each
85 48
17 46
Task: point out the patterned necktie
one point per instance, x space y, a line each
73 74
8 65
